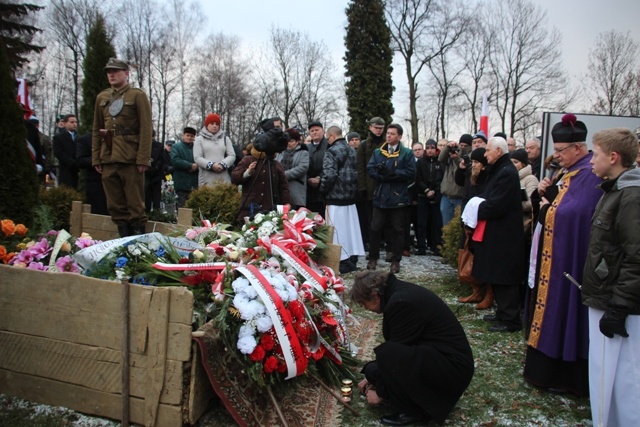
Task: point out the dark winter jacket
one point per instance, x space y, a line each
449 187
64 148
316 160
612 270
393 173
156 171
339 179
256 188
503 237
365 151
429 174
426 357
184 179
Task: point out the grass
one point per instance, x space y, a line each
497 396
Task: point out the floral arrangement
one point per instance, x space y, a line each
10 239
51 252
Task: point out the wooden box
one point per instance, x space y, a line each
101 227
61 340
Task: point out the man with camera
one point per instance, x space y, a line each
451 192
393 167
264 183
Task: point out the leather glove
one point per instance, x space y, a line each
612 322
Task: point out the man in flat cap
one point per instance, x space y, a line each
558 338
317 148
121 149
185 169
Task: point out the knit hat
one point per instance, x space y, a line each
314 123
352 135
520 155
33 119
212 118
294 134
377 121
569 130
480 135
501 135
478 155
431 142
466 139
190 130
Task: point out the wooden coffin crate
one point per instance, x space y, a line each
101 227
61 340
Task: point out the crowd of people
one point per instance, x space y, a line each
555 249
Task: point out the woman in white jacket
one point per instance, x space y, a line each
213 153
528 183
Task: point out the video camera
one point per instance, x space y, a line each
271 140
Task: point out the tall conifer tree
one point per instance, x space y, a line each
99 50
368 59
15 34
18 178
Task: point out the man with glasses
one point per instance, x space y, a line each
558 338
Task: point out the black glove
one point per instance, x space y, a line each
612 322
382 169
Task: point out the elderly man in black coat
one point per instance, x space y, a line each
499 250
425 363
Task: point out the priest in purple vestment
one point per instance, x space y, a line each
558 338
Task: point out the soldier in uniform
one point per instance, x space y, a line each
121 149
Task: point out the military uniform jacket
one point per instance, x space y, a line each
131 128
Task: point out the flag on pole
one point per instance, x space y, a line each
484 116
24 98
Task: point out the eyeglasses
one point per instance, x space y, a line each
560 150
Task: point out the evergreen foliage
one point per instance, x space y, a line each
59 201
368 60
451 236
15 34
99 50
18 177
217 203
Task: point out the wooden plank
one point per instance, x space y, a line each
84 310
81 399
185 217
331 257
157 354
95 368
143 311
86 208
201 393
75 218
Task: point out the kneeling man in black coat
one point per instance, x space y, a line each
425 363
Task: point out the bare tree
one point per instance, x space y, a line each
414 24
185 22
222 85
139 27
69 22
611 78
166 74
525 63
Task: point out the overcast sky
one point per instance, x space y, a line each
579 22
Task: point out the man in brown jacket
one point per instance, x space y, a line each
121 149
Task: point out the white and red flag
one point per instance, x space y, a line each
484 116
24 98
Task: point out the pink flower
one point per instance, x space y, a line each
68 265
85 242
41 249
37 266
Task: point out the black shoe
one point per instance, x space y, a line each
346 267
400 419
421 252
490 318
501 327
124 230
137 229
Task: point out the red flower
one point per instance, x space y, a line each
184 261
207 276
296 309
219 251
258 354
282 367
318 354
304 330
267 342
271 364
